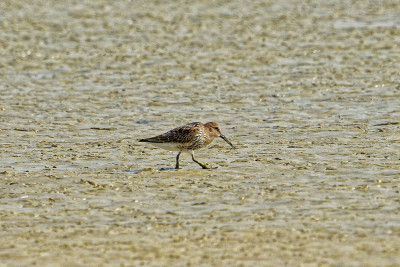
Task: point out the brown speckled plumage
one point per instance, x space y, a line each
189 137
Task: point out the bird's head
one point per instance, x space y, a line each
215 131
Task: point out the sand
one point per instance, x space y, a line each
307 90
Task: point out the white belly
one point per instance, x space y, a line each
169 146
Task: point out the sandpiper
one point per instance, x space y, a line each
187 138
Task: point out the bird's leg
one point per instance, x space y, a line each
177 160
201 164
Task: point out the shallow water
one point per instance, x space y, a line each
307 90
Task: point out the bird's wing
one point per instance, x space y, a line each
183 134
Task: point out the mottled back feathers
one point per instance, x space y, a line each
184 134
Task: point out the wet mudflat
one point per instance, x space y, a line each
307 90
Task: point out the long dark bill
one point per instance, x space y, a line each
226 140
